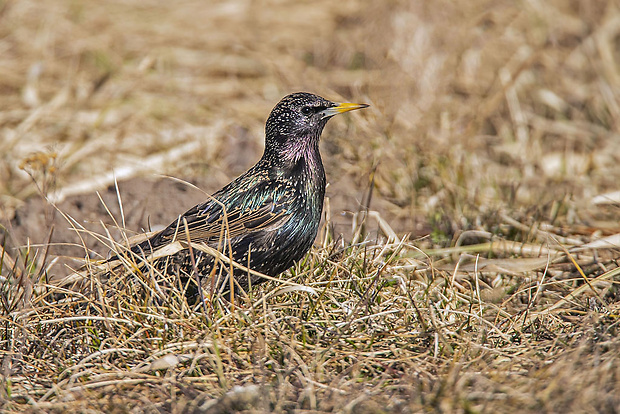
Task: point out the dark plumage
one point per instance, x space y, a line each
272 211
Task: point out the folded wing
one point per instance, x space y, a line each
212 223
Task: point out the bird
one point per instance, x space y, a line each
267 218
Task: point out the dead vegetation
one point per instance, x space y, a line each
478 267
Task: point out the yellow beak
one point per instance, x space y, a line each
342 107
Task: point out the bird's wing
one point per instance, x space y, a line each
219 222
211 221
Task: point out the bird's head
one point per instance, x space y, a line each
296 122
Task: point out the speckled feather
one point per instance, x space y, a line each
272 211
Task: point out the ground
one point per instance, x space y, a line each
467 260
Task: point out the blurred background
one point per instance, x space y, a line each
482 112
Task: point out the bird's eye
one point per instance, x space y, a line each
307 110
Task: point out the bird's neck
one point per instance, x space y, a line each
300 160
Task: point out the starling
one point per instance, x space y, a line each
268 217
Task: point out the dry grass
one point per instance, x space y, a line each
492 141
